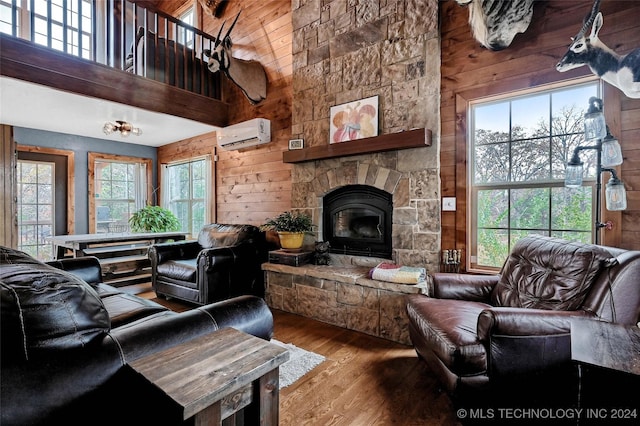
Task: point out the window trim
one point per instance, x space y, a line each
611 98
96 156
71 188
209 164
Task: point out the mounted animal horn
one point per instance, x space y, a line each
232 25
588 20
218 39
248 75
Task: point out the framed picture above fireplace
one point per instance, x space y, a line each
354 120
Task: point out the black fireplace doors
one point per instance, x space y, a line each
357 221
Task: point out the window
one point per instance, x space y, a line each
36 191
186 36
186 192
519 148
64 25
119 189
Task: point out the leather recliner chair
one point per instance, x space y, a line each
224 262
512 331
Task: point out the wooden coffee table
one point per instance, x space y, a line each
216 375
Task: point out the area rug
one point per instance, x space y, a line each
300 363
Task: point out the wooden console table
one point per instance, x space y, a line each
123 256
216 375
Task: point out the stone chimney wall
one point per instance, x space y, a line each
345 50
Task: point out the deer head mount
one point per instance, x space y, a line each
495 23
249 76
622 72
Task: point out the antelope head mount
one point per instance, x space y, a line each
249 76
495 23
622 72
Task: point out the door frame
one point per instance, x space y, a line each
71 209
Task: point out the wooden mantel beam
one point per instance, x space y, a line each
393 141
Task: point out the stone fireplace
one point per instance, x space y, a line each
342 52
409 177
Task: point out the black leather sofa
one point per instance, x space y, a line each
67 340
224 262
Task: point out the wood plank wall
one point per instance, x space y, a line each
470 71
251 184
8 220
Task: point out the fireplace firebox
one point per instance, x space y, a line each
357 221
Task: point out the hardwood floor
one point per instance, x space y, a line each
364 380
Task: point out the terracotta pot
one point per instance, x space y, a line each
291 240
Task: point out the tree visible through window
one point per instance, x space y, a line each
186 189
519 149
35 208
120 190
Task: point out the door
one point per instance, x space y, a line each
41 202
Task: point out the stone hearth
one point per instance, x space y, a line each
342 295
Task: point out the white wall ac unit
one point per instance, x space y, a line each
245 134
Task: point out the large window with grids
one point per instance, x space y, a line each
186 189
120 187
64 25
519 147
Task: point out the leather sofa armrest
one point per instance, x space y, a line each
86 268
475 288
179 250
526 342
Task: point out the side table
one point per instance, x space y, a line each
608 362
216 375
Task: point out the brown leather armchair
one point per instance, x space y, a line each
224 262
483 332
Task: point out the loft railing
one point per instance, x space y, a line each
119 34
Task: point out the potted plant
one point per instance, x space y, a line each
291 227
154 219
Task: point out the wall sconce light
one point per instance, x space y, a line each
608 154
121 126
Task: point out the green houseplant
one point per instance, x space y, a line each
154 219
291 227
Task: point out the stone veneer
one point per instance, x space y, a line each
342 296
345 50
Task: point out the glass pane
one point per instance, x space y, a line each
493 208
530 208
582 237
571 208
530 117
44 194
493 247
28 172
491 163
28 193
491 123
569 106
530 160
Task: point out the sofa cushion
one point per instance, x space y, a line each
549 273
124 308
44 308
183 270
221 235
